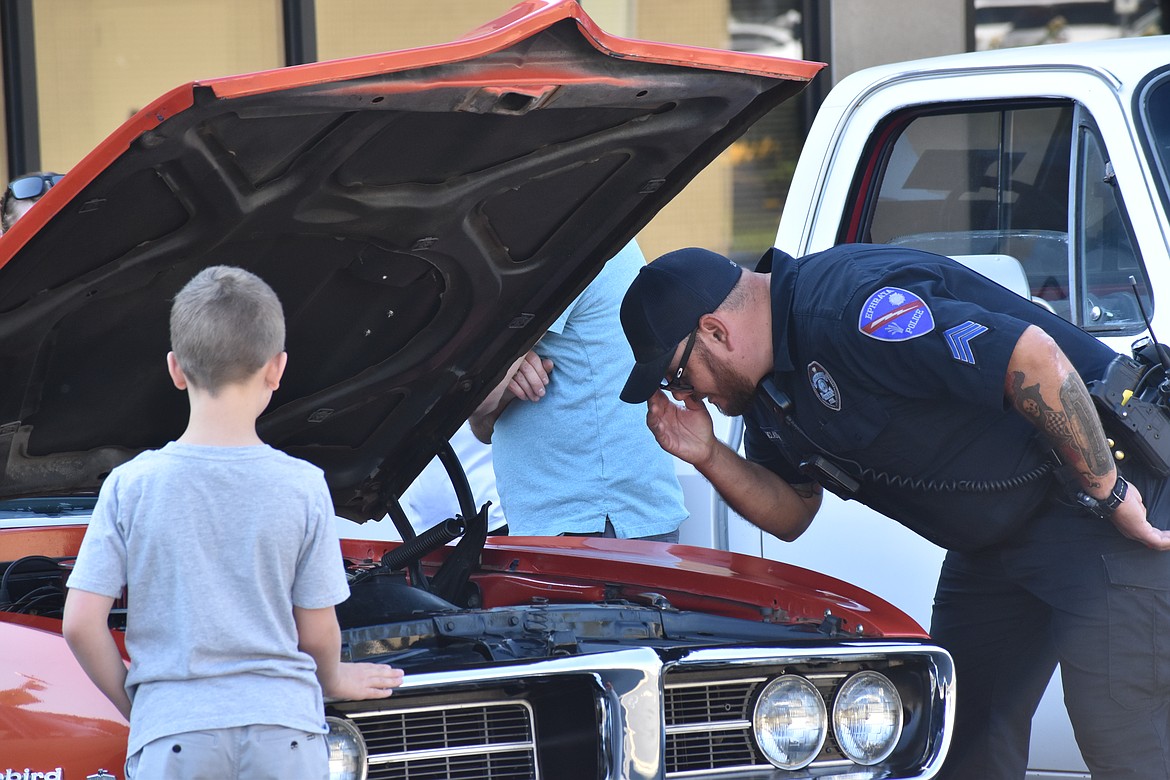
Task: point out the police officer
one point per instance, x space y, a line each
906 381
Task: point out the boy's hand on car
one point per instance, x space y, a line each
357 681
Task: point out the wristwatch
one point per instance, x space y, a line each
1104 507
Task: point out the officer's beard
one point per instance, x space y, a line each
736 392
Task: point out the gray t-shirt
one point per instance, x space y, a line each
215 545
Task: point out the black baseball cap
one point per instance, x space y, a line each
664 304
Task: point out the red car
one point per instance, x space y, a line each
424 215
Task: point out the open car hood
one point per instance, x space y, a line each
423 216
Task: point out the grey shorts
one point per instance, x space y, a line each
242 753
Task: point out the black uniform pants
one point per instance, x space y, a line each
1069 589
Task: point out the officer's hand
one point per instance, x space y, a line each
684 431
1130 519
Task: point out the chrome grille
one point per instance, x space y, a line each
713 750
480 741
458 768
703 703
709 725
480 724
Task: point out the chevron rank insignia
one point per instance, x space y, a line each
959 340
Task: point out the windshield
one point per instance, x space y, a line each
1155 111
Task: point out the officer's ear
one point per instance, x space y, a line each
717 332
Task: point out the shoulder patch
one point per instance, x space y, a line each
894 314
824 386
959 340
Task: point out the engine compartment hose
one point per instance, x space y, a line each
428 541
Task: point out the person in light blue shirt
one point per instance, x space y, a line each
570 457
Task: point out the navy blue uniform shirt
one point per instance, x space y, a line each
894 361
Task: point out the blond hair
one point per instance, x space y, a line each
226 323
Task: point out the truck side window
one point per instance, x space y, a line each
1155 117
990 185
1106 260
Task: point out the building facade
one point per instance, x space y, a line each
73 70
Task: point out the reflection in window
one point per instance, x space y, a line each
988 171
1001 24
1106 258
991 187
765 157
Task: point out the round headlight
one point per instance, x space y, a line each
867 718
790 722
347 750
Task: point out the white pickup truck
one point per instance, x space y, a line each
1047 168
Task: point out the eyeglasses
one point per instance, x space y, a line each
33 186
676 384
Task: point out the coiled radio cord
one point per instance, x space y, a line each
959 485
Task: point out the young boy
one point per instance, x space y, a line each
227 550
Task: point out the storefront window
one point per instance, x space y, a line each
100 61
350 28
765 158
1001 24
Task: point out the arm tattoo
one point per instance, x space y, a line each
807 490
1090 441
1032 406
1073 427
